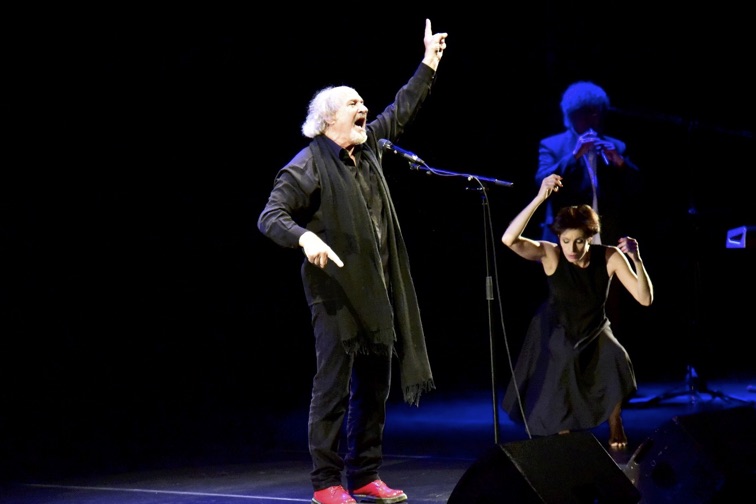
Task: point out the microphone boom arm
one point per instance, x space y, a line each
418 164
444 173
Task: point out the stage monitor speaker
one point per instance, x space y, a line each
707 457
562 469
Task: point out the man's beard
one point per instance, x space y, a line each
359 138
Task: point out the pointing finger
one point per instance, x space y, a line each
335 258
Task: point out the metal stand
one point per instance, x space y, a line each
693 387
489 244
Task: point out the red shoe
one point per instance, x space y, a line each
378 492
333 495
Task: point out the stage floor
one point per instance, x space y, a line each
428 450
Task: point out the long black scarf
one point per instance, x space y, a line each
389 316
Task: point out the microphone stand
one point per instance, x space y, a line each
487 235
693 385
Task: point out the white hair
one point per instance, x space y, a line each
322 108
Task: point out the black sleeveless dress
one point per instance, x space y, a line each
571 371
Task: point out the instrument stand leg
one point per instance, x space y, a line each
693 387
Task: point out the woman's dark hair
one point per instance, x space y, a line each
581 217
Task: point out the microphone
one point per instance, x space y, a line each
409 156
599 149
603 156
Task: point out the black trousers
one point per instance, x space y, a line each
348 392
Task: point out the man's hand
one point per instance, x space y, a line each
434 46
317 252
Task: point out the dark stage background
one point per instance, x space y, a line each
144 315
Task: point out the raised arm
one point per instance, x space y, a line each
527 248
